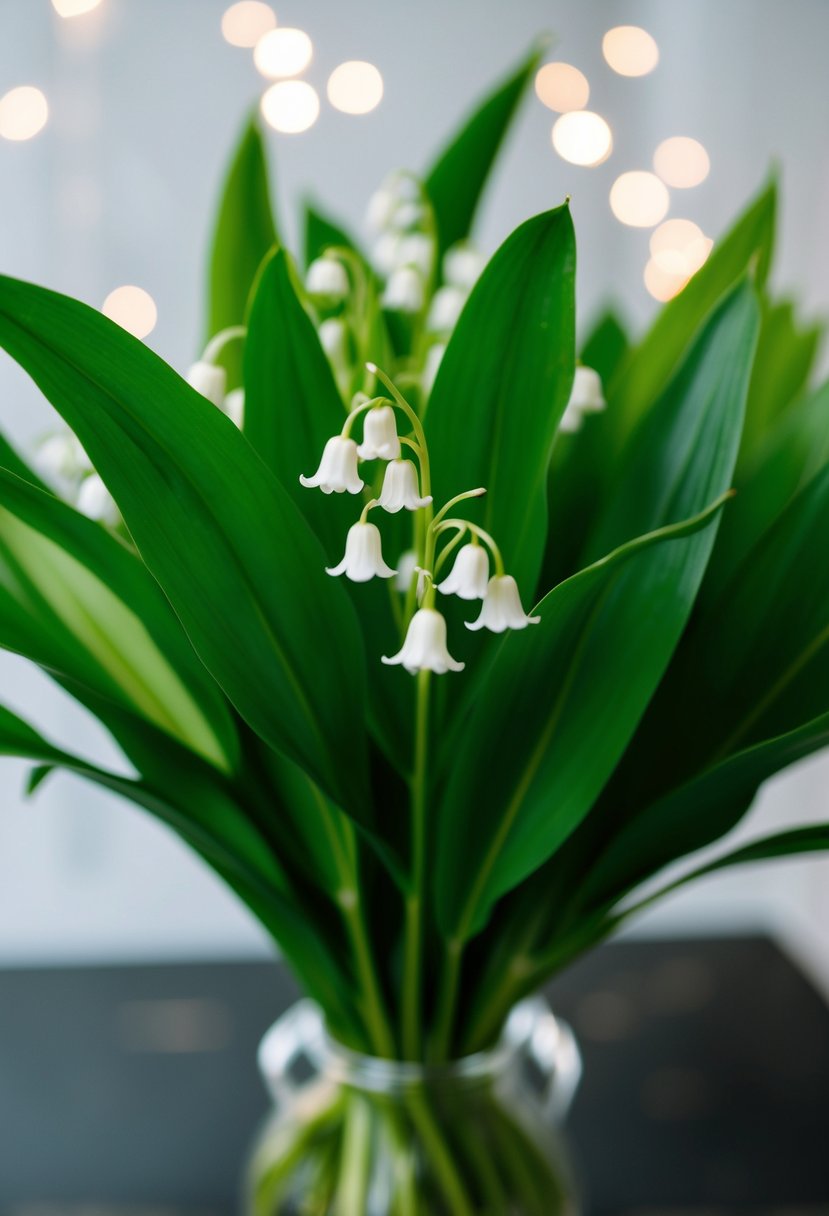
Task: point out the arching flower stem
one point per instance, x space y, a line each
479 532
222 339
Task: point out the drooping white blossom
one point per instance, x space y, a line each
447 305
327 280
234 406
406 567
337 471
380 441
432 362
462 266
502 608
416 249
469 576
400 488
363 555
95 500
404 290
334 340
586 397
209 380
425 646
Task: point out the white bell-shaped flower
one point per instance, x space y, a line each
447 305
401 489
462 266
363 555
326 279
416 249
586 397
95 501
404 290
333 336
469 576
406 567
408 215
380 441
384 253
425 646
381 208
338 468
61 456
502 607
209 380
234 406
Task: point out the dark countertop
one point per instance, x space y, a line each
133 1089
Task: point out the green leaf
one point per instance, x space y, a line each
321 233
554 714
89 584
231 552
243 234
503 385
606 345
11 460
693 816
456 181
562 700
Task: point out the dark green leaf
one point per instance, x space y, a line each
457 179
321 233
230 550
503 385
244 233
606 345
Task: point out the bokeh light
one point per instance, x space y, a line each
74 8
283 52
679 247
355 87
562 87
582 138
630 50
243 24
132 308
661 284
639 199
291 106
681 161
23 112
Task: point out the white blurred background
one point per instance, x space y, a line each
145 99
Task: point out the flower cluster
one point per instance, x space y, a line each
406 486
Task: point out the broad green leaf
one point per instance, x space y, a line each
321 233
101 593
230 550
606 345
243 234
554 714
694 815
794 451
227 841
503 385
562 700
785 357
685 444
11 459
456 181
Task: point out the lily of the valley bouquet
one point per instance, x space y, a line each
435 638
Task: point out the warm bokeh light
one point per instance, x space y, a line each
23 112
355 87
639 199
663 285
291 106
679 246
283 52
681 161
582 138
244 24
630 50
74 8
562 87
133 309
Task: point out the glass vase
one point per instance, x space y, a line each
353 1135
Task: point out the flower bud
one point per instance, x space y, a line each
326 280
404 291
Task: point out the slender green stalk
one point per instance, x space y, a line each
355 1164
412 996
439 1155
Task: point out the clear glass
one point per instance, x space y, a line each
352 1135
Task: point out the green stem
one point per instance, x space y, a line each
440 1158
413 963
356 1159
447 998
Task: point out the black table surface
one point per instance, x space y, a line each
132 1090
